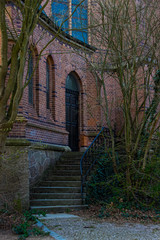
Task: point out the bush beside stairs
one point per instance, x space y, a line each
60 190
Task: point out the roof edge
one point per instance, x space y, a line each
65 36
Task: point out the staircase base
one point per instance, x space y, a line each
59 209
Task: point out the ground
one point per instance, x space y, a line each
8 235
90 225
115 215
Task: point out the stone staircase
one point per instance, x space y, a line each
60 190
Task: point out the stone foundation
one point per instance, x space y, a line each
22 166
14 177
41 156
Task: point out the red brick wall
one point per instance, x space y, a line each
40 125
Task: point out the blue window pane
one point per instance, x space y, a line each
81 13
60 12
80 20
79 24
84 3
83 36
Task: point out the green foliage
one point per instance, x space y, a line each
22 230
103 213
107 187
25 229
29 215
103 182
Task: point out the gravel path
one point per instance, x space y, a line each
84 229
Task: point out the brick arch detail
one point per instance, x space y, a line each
79 76
52 85
35 78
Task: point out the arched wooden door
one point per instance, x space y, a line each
72 111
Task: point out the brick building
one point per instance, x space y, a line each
56 103
59 110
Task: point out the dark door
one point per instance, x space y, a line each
72 118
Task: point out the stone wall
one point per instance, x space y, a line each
22 166
42 156
14 177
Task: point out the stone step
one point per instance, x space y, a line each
55 195
72 155
59 209
62 178
61 183
67 167
55 202
60 189
67 173
68 162
42 189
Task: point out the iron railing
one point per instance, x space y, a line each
93 153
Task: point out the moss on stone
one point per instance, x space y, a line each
36 145
17 142
52 147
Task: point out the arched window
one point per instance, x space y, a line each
30 77
72 83
50 86
33 78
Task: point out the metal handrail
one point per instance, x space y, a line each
89 148
92 154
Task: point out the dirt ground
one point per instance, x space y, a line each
114 215
8 235
110 215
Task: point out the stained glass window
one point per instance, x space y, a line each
80 20
60 12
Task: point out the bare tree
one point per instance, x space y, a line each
11 89
126 34
14 57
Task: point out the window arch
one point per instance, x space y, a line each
30 77
50 86
72 82
33 77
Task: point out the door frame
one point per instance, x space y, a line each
75 78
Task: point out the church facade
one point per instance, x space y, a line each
55 107
59 110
